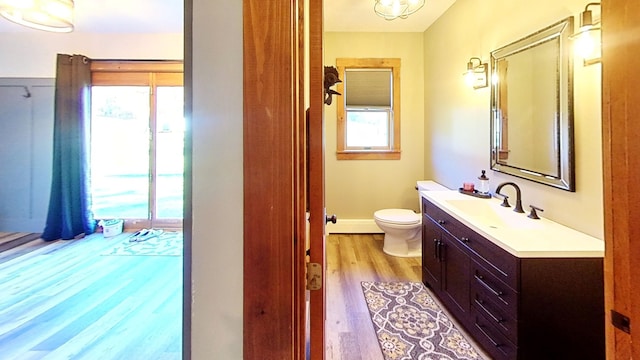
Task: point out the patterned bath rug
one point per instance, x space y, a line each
409 324
168 243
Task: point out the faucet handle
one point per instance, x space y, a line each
533 214
505 199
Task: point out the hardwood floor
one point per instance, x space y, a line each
352 259
63 300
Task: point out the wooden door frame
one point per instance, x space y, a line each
621 171
274 242
316 176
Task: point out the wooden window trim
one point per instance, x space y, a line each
137 66
368 63
137 72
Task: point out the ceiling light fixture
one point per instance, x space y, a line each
47 15
393 9
587 38
476 75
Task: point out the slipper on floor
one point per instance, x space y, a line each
149 234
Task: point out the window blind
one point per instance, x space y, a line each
368 87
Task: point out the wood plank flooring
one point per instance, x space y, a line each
9 240
352 259
63 300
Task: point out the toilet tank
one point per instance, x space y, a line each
427 185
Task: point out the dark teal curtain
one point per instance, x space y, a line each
70 214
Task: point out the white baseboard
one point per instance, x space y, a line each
353 226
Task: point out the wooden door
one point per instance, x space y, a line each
316 176
621 158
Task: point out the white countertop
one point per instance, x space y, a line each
516 233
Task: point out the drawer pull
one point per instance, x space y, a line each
493 342
495 318
464 240
441 222
480 279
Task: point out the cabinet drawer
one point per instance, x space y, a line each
491 340
498 261
438 215
445 221
490 288
507 325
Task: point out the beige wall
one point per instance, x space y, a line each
355 189
456 132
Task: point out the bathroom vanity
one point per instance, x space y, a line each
522 288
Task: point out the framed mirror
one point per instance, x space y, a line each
532 107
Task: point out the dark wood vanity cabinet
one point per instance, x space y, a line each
445 266
515 308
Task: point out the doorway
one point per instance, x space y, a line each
137 147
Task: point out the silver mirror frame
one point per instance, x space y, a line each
565 177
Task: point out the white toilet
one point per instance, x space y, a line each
403 227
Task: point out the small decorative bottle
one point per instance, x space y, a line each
483 186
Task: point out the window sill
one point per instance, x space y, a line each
368 155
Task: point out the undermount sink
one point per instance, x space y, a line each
491 214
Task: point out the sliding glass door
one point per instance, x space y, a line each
169 153
137 142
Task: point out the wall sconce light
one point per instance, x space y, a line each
394 9
587 39
47 15
476 75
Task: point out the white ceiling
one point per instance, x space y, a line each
358 15
166 16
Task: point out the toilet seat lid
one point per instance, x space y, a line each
398 216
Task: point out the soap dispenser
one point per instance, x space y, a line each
483 186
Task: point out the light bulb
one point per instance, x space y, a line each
469 78
396 8
585 45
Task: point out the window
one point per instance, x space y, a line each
369 110
137 142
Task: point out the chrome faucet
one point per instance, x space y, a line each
518 207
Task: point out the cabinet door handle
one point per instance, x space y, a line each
495 318
480 279
435 249
441 248
493 342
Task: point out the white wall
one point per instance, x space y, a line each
217 264
457 117
33 53
355 189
